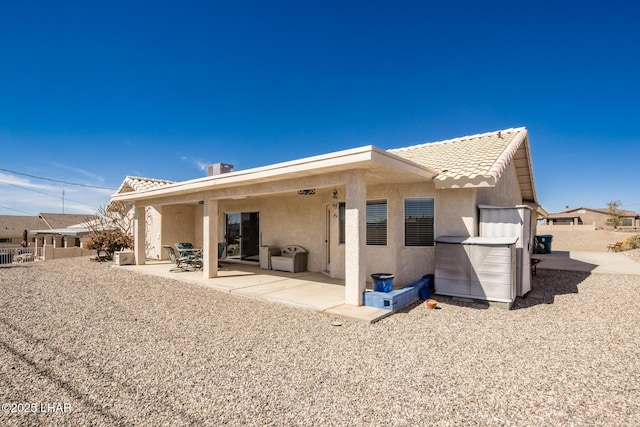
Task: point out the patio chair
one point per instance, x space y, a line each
193 256
221 251
184 249
180 262
293 259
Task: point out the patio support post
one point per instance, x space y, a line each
139 238
355 239
210 238
47 248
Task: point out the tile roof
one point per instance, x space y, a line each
54 220
136 183
470 161
476 160
13 225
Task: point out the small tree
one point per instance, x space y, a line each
615 214
111 230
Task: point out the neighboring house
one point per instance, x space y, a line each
73 236
359 211
599 218
12 227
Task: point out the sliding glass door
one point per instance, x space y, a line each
243 236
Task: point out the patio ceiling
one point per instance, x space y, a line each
376 165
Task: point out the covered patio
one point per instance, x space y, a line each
318 203
307 290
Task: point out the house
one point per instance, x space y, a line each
599 218
357 212
12 227
73 236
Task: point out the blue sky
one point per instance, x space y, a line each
93 91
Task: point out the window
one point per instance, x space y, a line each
376 222
627 222
418 222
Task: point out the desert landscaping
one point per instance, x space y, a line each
587 239
100 345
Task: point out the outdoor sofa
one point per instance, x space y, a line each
292 258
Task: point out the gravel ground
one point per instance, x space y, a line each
98 345
633 254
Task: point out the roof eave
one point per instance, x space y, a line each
61 232
345 160
508 156
534 196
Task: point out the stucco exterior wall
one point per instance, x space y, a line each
384 259
302 220
407 263
298 220
287 220
505 193
179 225
595 219
153 229
457 212
49 252
198 225
590 217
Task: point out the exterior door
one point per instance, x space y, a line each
327 240
243 236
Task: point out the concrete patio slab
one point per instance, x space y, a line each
236 283
307 290
591 262
309 295
362 313
267 287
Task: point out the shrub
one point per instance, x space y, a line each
630 243
109 241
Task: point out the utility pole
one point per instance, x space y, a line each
63 201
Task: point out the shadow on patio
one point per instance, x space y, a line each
305 290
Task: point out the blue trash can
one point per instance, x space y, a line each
545 240
425 291
382 282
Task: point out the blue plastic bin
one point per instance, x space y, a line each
425 291
382 282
